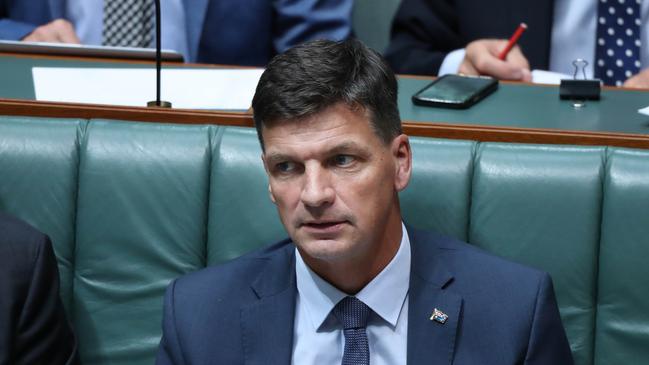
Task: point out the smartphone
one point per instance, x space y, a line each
455 91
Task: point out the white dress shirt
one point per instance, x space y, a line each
87 17
574 31
318 337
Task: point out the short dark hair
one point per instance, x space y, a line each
315 75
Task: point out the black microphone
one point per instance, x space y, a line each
158 60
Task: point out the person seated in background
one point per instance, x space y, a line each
33 326
353 284
234 32
432 37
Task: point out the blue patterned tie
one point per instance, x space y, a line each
617 51
353 315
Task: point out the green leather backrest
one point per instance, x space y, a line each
622 335
439 194
130 206
39 163
142 217
242 216
541 205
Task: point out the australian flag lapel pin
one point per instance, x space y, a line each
439 316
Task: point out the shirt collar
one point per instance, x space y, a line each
385 294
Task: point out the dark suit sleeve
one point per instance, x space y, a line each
14 30
40 332
169 351
11 28
547 343
423 33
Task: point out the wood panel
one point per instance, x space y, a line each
431 129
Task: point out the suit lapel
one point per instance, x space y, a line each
267 324
195 11
429 341
57 8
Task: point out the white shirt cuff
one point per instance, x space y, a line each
452 62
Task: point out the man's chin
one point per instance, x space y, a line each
323 250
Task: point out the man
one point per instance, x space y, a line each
33 326
438 37
237 32
352 284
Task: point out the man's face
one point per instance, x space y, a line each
335 184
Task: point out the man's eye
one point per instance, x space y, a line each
343 160
284 167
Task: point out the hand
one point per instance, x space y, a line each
481 58
57 31
639 80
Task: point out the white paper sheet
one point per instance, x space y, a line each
548 77
644 110
226 89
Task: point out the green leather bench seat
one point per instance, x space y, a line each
623 299
130 206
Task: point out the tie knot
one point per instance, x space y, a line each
352 313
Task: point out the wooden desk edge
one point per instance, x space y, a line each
525 135
140 114
244 119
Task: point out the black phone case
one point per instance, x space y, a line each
478 95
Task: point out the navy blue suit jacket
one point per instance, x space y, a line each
236 32
242 312
425 31
33 326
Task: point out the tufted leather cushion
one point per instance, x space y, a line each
39 162
623 301
130 206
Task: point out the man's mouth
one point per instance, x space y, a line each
328 226
323 224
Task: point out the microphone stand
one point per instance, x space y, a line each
158 60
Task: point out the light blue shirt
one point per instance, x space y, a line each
87 17
318 337
574 30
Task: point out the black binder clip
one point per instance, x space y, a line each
579 90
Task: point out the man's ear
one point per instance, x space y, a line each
402 155
270 189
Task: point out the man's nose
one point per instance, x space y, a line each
317 189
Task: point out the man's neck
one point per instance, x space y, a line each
352 275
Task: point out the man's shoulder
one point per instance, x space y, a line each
236 274
486 282
469 262
27 261
512 303
13 229
19 240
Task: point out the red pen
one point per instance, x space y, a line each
512 41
